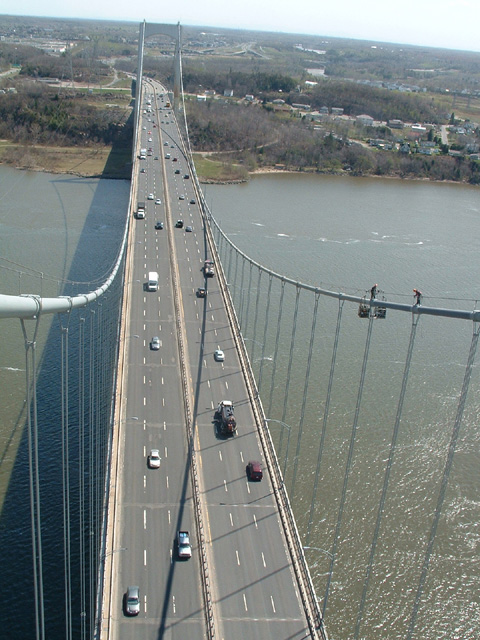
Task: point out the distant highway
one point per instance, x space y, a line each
250 579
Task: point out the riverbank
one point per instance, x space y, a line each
115 164
97 161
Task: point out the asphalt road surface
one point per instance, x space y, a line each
252 583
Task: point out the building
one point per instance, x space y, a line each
396 124
365 120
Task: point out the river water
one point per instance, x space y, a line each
343 234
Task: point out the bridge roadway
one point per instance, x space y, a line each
252 583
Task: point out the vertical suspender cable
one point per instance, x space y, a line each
277 342
81 474
229 266
265 326
91 452
326 410
290 360
446 474
255 318
66 480
236 271
381 506
242 293
305 393
349 463
34 478
247 311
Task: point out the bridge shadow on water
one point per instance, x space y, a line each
96 252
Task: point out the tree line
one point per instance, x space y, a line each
37 114
256 138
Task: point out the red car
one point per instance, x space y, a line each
254 470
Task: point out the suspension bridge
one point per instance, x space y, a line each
269 559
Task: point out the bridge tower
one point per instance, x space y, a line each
150 29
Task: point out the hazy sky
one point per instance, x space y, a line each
453 24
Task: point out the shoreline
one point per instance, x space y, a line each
261 171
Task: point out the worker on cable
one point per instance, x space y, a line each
418 296
373 292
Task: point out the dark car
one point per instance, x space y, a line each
201 292
254 470
192 201
159 225
186 176
179 224
189 228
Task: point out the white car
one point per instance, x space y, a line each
218 355
184 548
154 459
151 196
158 201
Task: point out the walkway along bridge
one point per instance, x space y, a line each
302 387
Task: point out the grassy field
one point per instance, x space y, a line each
98 161
210 169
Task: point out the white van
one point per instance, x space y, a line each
152 283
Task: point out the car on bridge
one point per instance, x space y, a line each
159 224
154 459
189 229
184 548
155 343
158 201
201 292
192 201
218 355
254 470
132 601
151 196
177 171
208 269
179 224
182 197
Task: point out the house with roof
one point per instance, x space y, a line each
365 120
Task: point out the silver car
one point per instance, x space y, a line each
155 343
132 601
